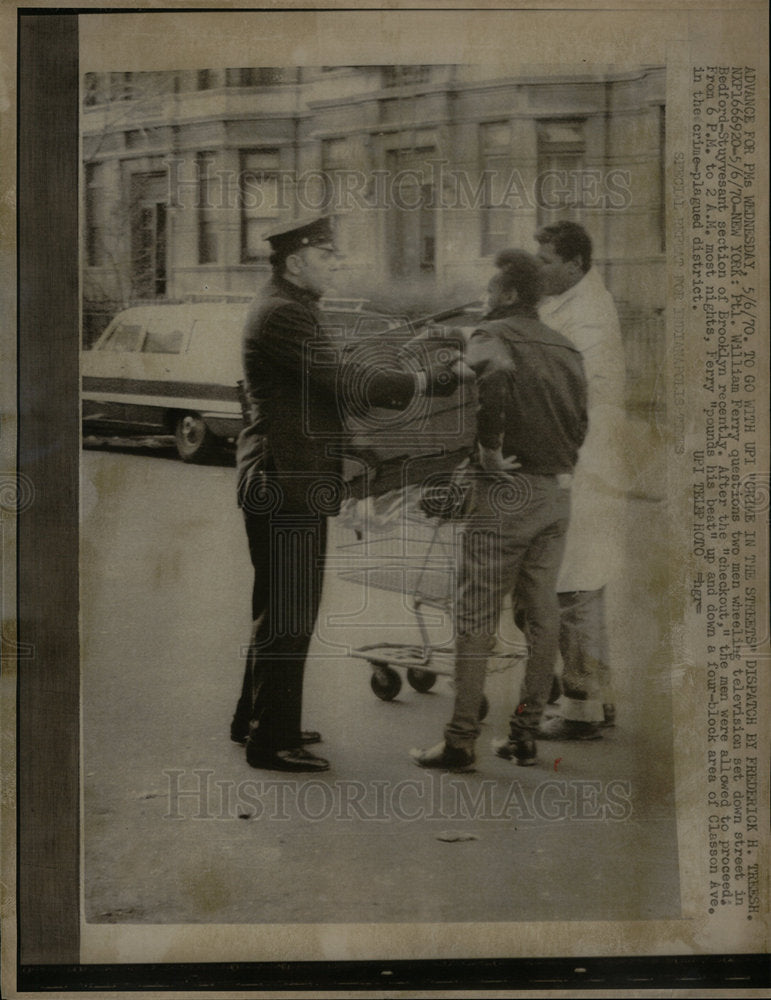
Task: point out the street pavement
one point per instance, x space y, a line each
179 829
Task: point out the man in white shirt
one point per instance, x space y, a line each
578 306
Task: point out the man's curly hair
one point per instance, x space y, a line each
519 271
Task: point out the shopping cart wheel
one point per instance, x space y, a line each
484 707
385 682
421 680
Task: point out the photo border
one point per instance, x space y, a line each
47 679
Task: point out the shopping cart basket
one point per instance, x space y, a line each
407 543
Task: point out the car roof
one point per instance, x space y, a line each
225 319
184 313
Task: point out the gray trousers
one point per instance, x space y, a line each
512 542
586 680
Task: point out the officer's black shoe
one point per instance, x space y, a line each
292 759
522 751
444 757
239 733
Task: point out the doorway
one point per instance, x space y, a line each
148 210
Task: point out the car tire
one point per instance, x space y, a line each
195 442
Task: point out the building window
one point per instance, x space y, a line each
496 165
259 76
94 235
559 191
412 217
93 90
205 79
236 77
400 76
154 84
259 200
337 156
121 86
389 110
148 197
207 192
427 229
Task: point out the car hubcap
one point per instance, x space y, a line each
191 430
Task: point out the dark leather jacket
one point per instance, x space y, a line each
532 391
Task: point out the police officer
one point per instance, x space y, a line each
298 387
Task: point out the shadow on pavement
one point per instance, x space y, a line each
158 446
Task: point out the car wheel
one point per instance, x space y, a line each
195 442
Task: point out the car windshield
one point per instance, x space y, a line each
125 337
163 341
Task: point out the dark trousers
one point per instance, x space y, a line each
288 553
512 542
258 535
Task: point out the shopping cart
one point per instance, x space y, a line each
406 543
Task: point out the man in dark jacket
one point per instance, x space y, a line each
298 388
530 424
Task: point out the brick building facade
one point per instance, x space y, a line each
434 168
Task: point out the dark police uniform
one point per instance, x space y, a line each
289 482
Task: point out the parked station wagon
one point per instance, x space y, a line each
173 369
167 369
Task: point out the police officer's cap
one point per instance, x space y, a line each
315 232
